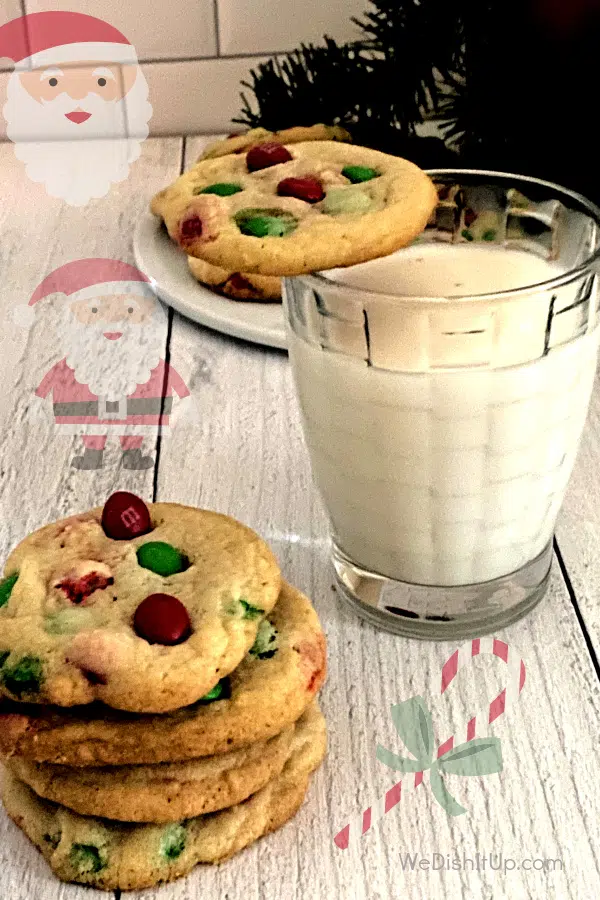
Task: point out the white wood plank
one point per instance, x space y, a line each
40 234
24 874
37 483
578 530
247 458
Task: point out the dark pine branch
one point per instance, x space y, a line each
525 97
329 83
511 82
416 50
378 87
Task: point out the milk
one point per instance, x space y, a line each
428 269
452 476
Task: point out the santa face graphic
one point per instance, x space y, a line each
113 342
77 107
112 378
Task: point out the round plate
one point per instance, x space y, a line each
160 259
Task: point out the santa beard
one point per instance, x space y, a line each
77 163
113 369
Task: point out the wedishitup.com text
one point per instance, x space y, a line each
479 862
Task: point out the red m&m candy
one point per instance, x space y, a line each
85 579
162 619
125 516
237 282
191 228
308 189
265 155
470 217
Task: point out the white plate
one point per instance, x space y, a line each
158 258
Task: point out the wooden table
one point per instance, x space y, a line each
246 457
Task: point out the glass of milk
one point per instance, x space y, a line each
443 391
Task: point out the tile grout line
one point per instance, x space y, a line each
172 60
162 404
23 9
154 60
573 598
125 105
217 27
167 360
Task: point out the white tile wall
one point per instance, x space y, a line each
9 9
196 52
199 96
114 126
157 28
261 26
4 76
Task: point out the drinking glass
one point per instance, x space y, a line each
443 391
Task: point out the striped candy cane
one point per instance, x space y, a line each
477 726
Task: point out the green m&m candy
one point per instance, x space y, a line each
6 586
23 677
70 621
266 645
87 858
356 174
221 691
264 226
346 201
172 843
251 612
221 189
265 222
161 558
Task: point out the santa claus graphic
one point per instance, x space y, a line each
113 379
77 107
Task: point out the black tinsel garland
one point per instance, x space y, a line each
511 83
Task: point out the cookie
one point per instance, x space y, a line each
239 143
145 608
165 792
236 285
269 690
288 210
111 855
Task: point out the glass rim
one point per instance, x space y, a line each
319 281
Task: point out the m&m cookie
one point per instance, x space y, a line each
241 143
146 607
108 854
271 688
287 209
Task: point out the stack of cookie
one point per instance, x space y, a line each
159 686
244 285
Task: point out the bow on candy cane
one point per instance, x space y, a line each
412 720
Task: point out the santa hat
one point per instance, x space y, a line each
84 279
54 37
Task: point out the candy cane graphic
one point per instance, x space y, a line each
478 726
